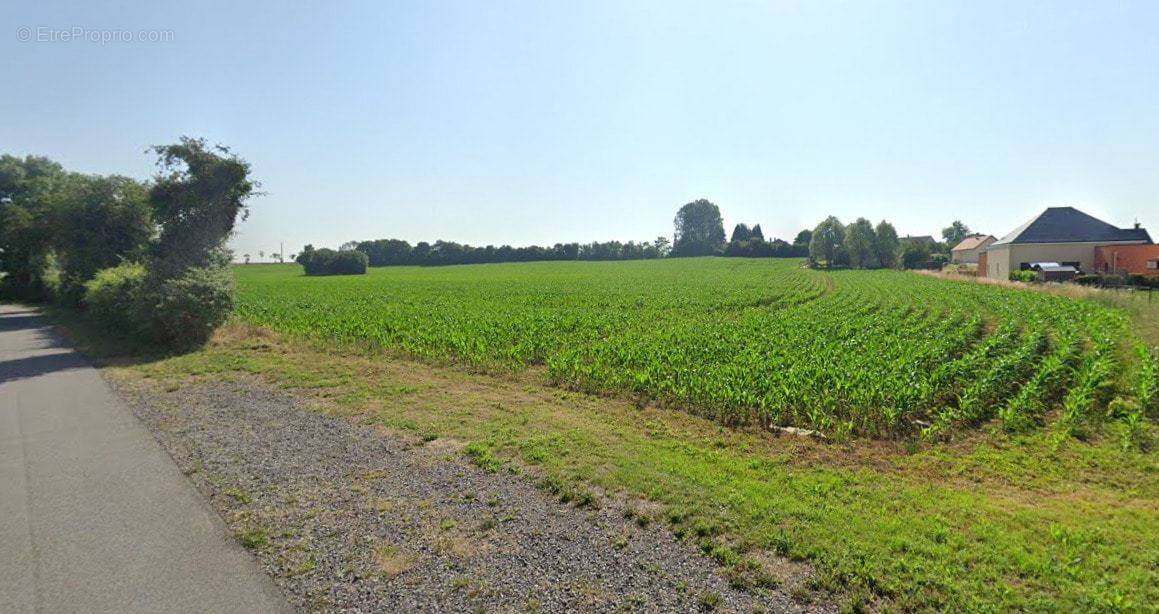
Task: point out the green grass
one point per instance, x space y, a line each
992 520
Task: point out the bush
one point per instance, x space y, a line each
114 298
1024 276
329 262
185 310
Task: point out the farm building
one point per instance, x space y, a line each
1130 259
966 252
1063 235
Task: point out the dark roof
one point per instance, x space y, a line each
920 239
1069 225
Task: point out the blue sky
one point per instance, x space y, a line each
542 122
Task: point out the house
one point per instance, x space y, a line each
1128 259
1063 235
968 249
926 239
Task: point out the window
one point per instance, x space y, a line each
1153 264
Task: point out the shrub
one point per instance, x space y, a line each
1023 276
329 262
114 297
185 310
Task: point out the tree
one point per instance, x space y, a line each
757 233
914 254
348 246
261 255
859 243
663 246
28 187
740 233
98 222
247 258
886 245
954 233
827 241
198 195
699 229
803 238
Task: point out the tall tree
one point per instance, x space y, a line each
860 244
827 241
757 233
198 196
740 232
699 229
954 233
28 189
886 245
803 238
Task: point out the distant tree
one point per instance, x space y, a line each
954 233
886 245
915 254
247 258
663 246
740 232
757 233
827 241
699 229
860 244
261 255
348 246
804 237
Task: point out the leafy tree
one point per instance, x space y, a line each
803 238
860 243
886 245
28 188
699 229
914 254
663 246
757 233
348 246
740 233
198 195
247 258
827 242
98 222
954 233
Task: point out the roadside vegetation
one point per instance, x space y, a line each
148 260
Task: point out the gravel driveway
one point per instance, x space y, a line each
346 517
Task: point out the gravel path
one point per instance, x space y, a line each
348 518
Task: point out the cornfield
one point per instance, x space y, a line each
745 342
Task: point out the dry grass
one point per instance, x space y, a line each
394 562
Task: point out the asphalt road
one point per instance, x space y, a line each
94 516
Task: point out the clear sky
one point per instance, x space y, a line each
543 122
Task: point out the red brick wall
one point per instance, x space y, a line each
981 264
1126 259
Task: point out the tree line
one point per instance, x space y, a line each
698 230
146 259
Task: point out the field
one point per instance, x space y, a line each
986 447
746 342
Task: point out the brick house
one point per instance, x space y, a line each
1131 259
